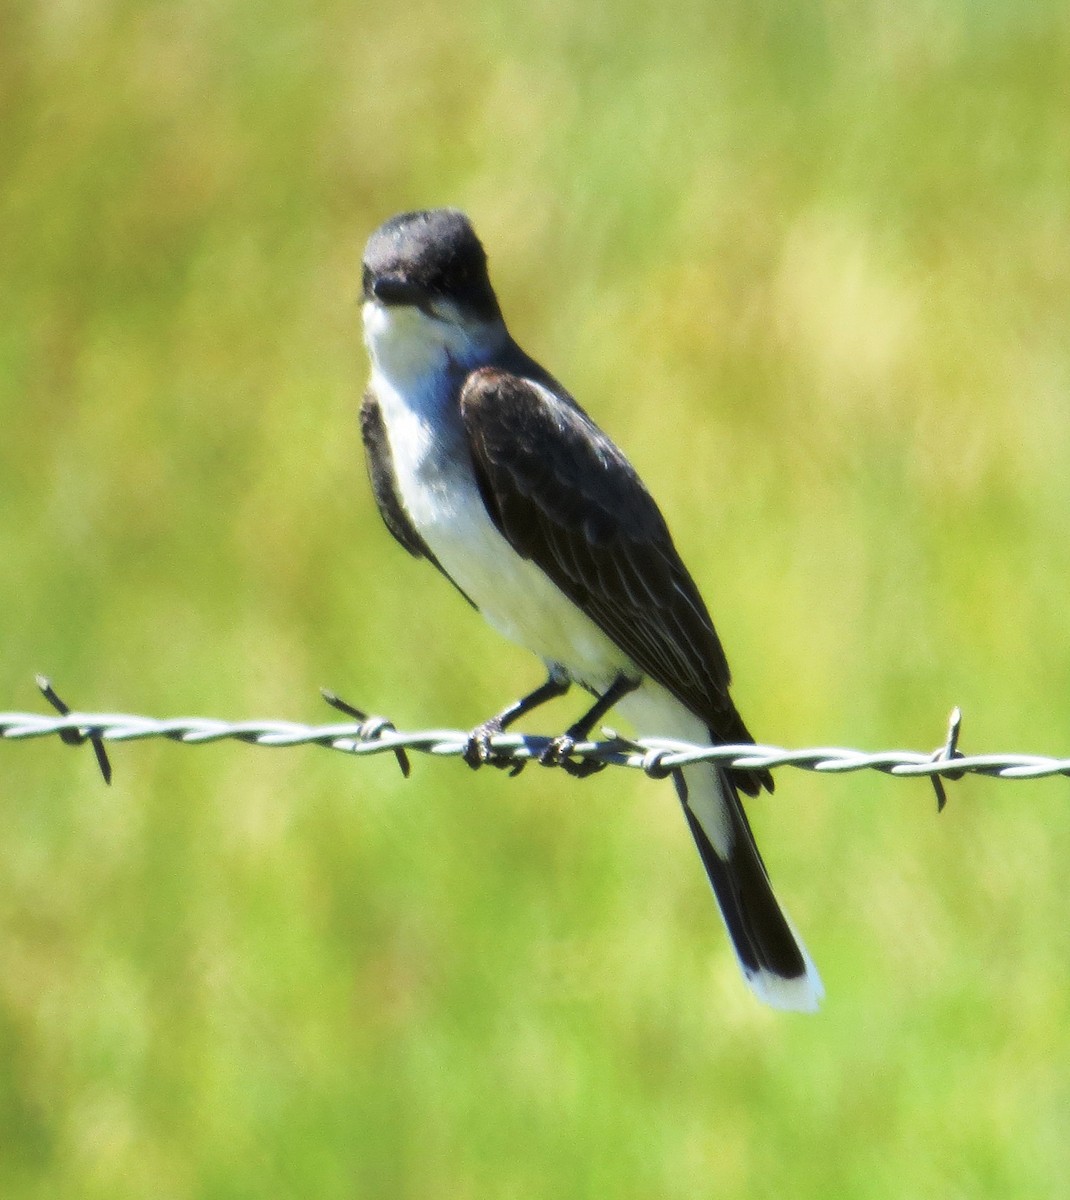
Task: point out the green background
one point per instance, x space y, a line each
810 266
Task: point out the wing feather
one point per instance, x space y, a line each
565 497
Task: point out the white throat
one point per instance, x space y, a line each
409 348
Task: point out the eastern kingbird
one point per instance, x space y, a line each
483 464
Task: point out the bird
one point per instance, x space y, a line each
483 464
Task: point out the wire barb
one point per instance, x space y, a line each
75 737
370 727
946 753
657 757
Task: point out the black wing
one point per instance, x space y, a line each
565 497
384 485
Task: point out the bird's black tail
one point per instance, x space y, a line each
771 956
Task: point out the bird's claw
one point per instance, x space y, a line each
558 753
479 752
557 750
582 767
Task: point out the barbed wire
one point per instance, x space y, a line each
657 757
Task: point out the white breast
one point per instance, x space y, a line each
438 487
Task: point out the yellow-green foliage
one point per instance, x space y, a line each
810 266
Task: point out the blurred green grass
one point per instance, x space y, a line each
832 245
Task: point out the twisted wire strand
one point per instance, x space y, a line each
656 756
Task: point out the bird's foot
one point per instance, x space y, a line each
479 752
558 753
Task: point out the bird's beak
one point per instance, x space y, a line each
396 292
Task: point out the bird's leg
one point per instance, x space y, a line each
478 751
557 752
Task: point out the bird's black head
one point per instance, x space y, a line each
420 258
